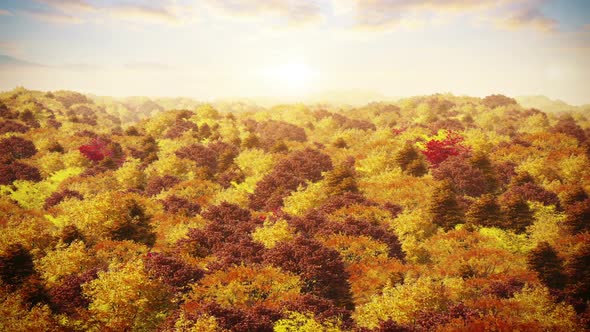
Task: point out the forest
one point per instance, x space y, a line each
430 213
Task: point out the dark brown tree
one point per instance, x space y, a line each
67 297
171 271
157 184
493 101
484 211
544 260
16 264
517 214
444 207
464 178
288 174
135 226
411 161
58 196
321 269
578 216
15 147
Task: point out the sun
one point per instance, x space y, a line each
291 78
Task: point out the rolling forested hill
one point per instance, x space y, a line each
431 213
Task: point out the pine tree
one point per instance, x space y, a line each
484 211
544 260
444 208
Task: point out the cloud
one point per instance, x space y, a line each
53 17
530 17
142 13
295 11
9 61
69 6
10 48
387 13
80 11
4 12
384 14
360 14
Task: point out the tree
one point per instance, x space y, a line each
16 264
10 126
215 157
444 208
567 125
273 131
493 101
67 297
464 178
289 173
109 215
96 150
69 98
320 268
175 204
251 141
135 225
157 184
342 179
125 298
171 271
247 286
340 143
518 216
438 149
544 260
18 171
411 161
484 211
15 147
530 191
578 216
58 196
578 271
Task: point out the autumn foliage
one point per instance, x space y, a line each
438 150
432 213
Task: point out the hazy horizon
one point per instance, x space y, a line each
293 50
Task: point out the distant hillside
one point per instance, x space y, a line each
549 105
351 97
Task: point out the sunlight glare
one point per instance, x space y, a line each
293 77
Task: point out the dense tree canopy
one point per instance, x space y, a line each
429 213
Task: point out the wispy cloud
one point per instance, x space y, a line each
142 13
388 13
295 11
80 11
383 14
53 17
69 6
9 61
11 48
362 14
530 17
4 12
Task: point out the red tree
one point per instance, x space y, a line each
99 149
438 151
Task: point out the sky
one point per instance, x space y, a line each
211 49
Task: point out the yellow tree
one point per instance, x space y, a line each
125 298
